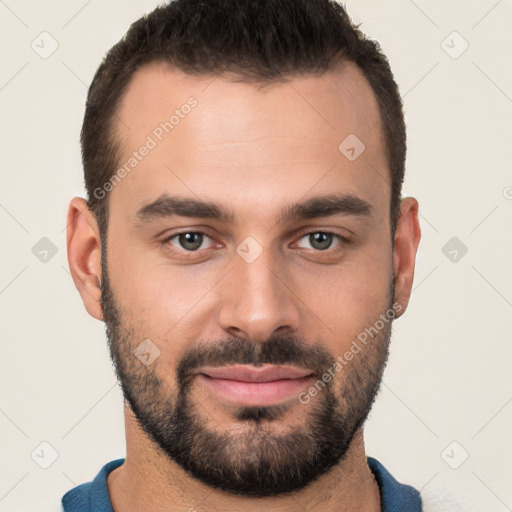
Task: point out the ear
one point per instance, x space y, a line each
407 239
84 255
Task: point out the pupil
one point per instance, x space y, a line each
320 240
190 241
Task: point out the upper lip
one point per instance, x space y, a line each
250 374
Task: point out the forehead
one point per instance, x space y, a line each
212 136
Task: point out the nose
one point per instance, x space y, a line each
258 300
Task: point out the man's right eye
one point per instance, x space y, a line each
188 241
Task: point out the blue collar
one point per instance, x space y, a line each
93 496
394 495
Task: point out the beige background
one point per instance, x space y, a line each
449 376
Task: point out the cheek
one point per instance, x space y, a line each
355 296
164 303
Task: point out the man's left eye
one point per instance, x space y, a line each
321 240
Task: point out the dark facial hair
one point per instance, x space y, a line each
258 462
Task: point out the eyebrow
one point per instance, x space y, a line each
321 206
325 206
167 206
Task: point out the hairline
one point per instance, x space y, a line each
235 76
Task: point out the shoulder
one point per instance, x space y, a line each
394 494
91 495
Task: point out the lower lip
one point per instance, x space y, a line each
256 393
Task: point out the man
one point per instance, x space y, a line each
246 244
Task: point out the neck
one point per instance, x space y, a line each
148 480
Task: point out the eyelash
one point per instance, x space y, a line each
166 241
336 235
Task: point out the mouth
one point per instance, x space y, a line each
251 386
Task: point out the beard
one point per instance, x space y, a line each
258 459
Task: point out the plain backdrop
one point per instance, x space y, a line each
442 417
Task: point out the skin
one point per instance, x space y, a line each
253 150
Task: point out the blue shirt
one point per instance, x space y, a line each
93 496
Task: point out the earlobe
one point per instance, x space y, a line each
407 239
84 255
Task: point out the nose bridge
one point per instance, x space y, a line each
257 300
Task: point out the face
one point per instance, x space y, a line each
244 238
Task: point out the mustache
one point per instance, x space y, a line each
278 350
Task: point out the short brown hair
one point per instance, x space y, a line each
257 41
